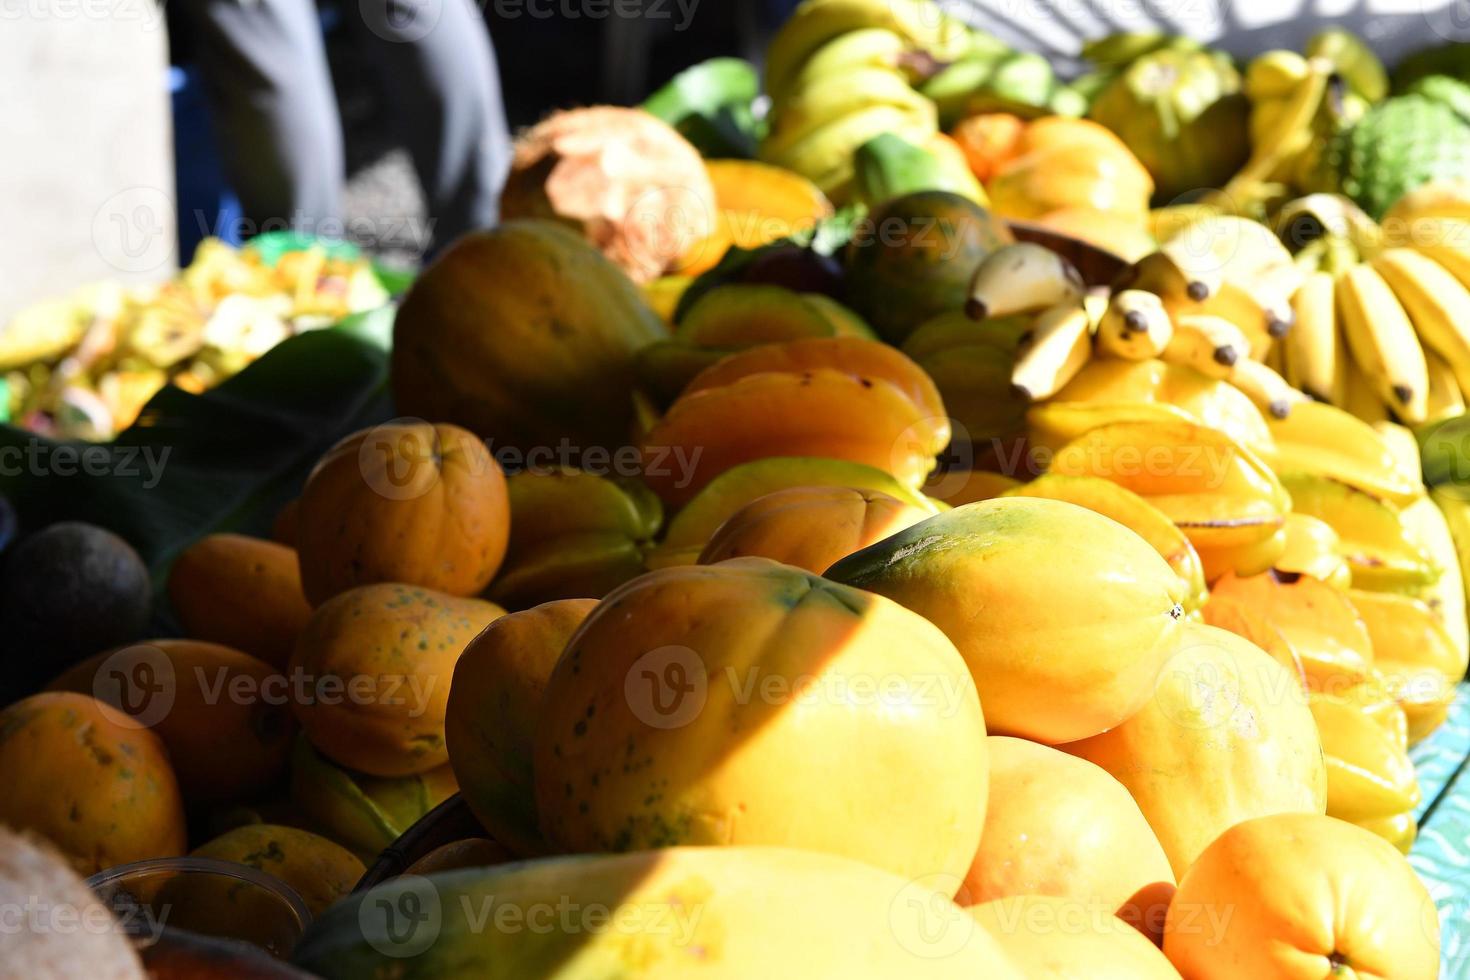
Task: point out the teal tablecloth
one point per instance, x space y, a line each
1441 854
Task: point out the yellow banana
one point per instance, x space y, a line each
816 22
814 105
1058 345
1446 399
1360 398
1436 199
1382 339
1265 387
1020 278
1437 304
1314 357
824 155
870 47
1163 274
1135 326
1211 345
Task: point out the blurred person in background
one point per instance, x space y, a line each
264 67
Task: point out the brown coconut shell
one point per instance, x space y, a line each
62 934
625 179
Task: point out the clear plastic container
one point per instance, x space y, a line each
204 896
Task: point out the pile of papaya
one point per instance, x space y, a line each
860 585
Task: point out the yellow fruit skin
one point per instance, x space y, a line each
1067 829
1369 777
375 665
682 913
317 869
1062 939
490 721
223 747
720 704
1060 650
1302 897
241 592
89 779
1226 736
810 527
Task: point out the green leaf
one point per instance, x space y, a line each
222 460
712 105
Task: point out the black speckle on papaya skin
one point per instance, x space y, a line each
580 728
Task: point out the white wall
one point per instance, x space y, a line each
86 160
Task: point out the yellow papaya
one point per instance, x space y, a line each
489 723
719 704
1059 650
316 869
374 666
89 779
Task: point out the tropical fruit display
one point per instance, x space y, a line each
943 517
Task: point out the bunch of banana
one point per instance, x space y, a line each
573 535
1383 318
839 72
1182 305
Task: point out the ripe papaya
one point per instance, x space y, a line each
224 716
526 334
1226 736
1059 650
404 502
680 913
490 722
719 704
316 869
240 592
89 779
810 527
374 665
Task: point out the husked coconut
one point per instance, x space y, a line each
627 180
63 931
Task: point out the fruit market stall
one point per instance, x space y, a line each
901 514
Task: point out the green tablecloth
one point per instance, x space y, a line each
1441 854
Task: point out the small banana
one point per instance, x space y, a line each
1162 274
815 23
870 47
1211 345
1445 400
1312 352
1020 278
1057 346
1436 302
1265 387
1135 326
815 105
824 155
1359 395
1436 199
1382 339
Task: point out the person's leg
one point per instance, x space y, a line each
265 68
443 85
